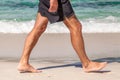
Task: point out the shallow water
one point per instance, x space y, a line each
18 16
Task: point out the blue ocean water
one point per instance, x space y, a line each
18 16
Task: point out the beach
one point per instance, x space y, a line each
59 71
59 45
56 58
54 54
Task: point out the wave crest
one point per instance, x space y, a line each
89 26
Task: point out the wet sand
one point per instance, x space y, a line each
56 58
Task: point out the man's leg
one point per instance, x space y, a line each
75 28
31 40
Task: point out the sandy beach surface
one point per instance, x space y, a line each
56 58
57 70
59 45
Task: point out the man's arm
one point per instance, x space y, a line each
53 6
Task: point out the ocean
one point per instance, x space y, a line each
96 16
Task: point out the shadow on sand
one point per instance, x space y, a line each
109 59
79 65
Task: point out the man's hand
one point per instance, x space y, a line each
53 6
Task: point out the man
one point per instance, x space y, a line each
55 11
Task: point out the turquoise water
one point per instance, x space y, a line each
18 16
96 8
20 10
25 10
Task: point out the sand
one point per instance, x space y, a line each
56 58
59 71
59 45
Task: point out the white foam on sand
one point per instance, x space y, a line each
108 25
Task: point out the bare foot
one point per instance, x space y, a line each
94 66
27 69
53 6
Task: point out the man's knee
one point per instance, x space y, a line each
73 24
37 31
41 29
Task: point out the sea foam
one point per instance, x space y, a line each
107 25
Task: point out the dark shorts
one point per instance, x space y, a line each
64 10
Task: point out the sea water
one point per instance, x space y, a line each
96 16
